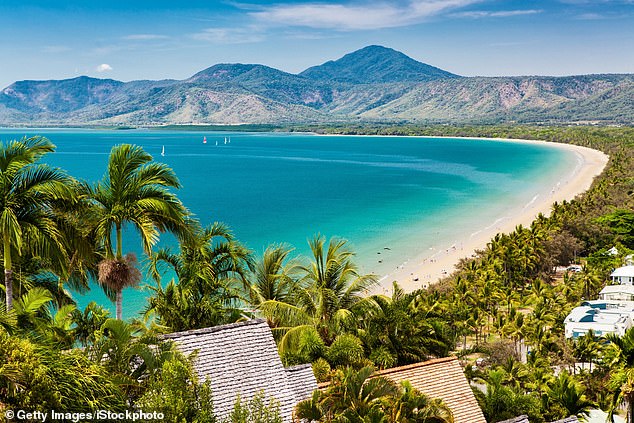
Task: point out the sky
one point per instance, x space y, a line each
156 39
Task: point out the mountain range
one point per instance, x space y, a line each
373 84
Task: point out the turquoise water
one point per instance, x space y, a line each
402 193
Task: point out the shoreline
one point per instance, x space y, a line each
429 267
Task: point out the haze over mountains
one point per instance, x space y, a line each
371 84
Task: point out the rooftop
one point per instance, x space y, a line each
242 358
441 378
623 271
617 289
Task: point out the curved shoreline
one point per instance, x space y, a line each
427 268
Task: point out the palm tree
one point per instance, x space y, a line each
27 192
134 190
274 276
326 297
566 392
358 396
209 269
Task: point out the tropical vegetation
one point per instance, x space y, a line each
501 312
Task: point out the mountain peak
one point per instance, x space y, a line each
375 64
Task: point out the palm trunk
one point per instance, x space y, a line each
118 253
119 304
119 301
8 272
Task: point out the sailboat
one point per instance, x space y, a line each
205 140
163 151
225 140
216 143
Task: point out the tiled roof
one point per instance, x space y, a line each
440 378
520 419
524 419
242 358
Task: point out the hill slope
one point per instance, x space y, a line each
373 84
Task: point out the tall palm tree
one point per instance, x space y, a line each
28 190
327 296
134 190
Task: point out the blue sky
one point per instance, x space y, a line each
155 39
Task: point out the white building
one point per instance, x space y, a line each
602 317
617 293
623 275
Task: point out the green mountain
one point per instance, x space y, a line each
371 84
375 65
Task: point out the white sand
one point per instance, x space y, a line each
427 268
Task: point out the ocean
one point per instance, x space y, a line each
393 196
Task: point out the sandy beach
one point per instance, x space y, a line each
439 261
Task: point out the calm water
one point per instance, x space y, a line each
406 194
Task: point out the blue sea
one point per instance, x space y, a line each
396 195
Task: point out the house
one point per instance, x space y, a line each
242 359
441 378
623 275
617 293
600 316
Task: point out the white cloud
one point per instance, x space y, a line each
496 14
356 17
104 67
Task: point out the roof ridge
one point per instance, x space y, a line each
213 329
297 367
415 365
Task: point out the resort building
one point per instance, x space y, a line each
602 317
441 378
623 275
242 359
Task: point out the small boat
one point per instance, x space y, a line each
163 151
225 140
216 143
204 140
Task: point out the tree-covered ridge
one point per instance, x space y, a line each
498 305
373 84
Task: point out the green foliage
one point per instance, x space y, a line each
37 378
357 396
209 267
346 350
256 410
621 223
176 392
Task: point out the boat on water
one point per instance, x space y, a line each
204 140
225 140
163 151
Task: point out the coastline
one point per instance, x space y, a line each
429 267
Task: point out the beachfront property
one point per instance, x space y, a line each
602 317
242 359
623 275
612 312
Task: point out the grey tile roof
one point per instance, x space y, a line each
520 419
242 358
